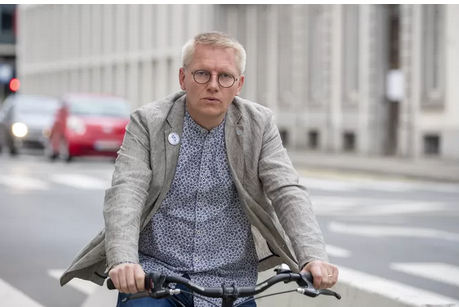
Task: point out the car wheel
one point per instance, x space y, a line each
64 153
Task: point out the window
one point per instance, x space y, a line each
348 141
7 20
313 139
284 136
433 53
431 144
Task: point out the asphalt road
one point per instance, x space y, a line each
405 231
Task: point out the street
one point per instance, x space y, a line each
405 231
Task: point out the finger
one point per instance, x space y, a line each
317 275
325 277
115 276
335 276
130 280
332 277
123 282
139 278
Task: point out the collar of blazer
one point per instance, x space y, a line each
234 137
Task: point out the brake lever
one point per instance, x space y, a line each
135 296
330 293
307 287
157 295
311 292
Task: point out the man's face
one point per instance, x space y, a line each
210 101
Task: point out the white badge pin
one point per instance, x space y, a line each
173 138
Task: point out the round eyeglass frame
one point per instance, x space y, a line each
210 77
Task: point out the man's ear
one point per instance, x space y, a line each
182 78
240 84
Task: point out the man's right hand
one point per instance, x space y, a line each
128 277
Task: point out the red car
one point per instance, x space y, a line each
88 125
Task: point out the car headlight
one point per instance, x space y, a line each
19 130
76 124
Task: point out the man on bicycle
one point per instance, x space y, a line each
203 188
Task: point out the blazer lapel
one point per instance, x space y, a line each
172 149
234 139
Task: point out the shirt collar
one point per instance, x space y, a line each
195 126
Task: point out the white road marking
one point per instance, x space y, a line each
326 184
344 206
380 288
12 297
23 183
392 231
81 181
442 272
81 285
402 208
338 252
354 184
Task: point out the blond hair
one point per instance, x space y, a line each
216 39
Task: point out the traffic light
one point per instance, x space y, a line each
14 85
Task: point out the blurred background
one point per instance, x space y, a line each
365 98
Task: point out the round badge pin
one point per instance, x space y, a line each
173 138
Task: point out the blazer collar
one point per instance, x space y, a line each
234 138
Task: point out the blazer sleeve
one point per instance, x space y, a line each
289 198
125 200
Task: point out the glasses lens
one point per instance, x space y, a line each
226 80
201 76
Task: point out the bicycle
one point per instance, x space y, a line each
158 283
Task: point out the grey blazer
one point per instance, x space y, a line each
284 226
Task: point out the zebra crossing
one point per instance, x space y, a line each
72 180
443 273
337 201
337 204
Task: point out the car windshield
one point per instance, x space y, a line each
36 105
99 106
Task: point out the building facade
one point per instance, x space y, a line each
321 68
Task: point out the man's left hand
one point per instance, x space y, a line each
324 274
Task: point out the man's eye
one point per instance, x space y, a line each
202 73
225 76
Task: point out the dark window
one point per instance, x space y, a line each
7 21
284 136
313 139
349 141
431 144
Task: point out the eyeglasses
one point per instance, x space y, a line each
203 76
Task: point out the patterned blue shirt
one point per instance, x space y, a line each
200 228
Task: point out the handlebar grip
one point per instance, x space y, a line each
110 284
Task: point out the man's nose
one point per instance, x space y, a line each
213 82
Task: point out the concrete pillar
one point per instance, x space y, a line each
272 58
365 94
414 136
336 99
161 80
251 50
161 21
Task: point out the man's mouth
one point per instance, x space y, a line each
212 99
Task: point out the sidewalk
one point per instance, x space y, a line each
421 169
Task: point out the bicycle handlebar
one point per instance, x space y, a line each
158 284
